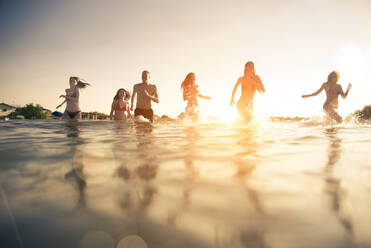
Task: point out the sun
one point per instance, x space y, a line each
348 62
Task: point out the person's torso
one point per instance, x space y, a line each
332 93
72 104
190 93
143 101
122 105
248 87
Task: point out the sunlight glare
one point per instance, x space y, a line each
223 113
348 62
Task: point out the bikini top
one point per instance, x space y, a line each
190 91
71 95
123 108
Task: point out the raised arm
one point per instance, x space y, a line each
132 98
315 93
344 95
234 91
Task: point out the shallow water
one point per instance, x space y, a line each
111 184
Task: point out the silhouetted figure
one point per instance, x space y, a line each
120 106
190 94
250 83
333 90
146 94
72 96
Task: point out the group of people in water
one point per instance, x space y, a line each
146 93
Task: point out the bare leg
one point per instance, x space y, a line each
66 116
78 116
331 112
245 111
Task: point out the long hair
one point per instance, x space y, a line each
333 77
126 97
80 82
249 66
190 78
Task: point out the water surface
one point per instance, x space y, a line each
111 184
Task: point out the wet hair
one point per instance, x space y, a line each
333 77
249 66
190 78
80 82
126 97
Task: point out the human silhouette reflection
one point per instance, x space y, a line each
192 135
137 174
333 183
251 234
246 165
76 175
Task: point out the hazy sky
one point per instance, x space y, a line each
294 44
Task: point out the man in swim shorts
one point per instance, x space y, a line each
146 93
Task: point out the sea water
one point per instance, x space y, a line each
113 184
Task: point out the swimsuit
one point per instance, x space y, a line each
72 115
147 113
124 108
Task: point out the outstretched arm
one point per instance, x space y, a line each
132 98
344 95
315 93
204 97
60 105
234 91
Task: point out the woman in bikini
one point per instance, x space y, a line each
250 83
120 110
190 94
72 96
333 90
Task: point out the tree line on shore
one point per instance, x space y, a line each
31 111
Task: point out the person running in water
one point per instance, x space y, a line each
146 93
250 83
190 94
120 106
333 90
72 96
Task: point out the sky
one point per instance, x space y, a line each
294 45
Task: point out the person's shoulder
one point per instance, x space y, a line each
153 86
339 87
241 79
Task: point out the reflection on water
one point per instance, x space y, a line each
138 191
250 235
114 184
76 174
333 186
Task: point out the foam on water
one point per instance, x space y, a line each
173 184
